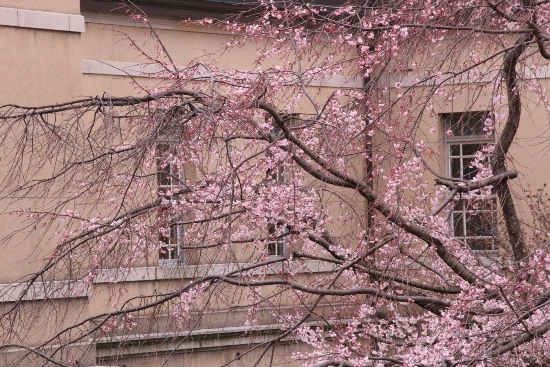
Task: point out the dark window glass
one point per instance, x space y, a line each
481 243
169 179
478 224
468 171
455 150
456 170
458 222
465 124
279 235
470 149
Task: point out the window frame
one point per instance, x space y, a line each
463 209
279 243
174 174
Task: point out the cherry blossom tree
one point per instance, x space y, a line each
266 173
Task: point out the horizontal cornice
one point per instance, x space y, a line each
193 9
182 9
24 18
117 68
61 289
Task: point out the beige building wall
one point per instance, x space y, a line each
41 64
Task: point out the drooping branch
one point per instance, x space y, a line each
157 300
540 38
67 248
378 274
520 340
91 102
421 300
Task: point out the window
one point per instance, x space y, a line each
278 233
279 174
169 177
169 182
473 222
278 246
170 252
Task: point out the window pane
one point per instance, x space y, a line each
455 150
163 178
162 149
458 224
164 254
174 235
470 149
465 124
478 224
458 206
468 172
272 248
176 253
481 243
281 174
485 205
280 247
473 123
456 171
454 124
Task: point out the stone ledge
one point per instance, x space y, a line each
63 289
118 68
33 19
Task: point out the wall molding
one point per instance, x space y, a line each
58 289
22 18
118 68
123 20
63 289
471 77
201 340
136 345
154 273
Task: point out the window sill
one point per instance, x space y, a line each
170 263
181 271
488 257
63 289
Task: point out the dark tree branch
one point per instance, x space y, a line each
511 219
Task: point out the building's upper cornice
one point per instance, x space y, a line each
185 9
